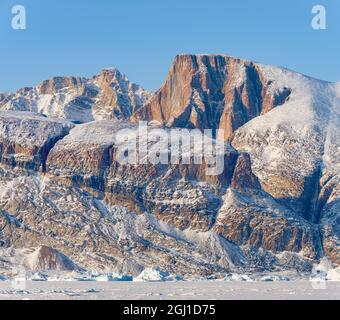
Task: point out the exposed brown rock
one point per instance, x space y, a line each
211 91
243 177
56 84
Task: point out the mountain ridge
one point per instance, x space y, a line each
107 95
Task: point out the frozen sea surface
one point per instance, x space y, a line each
181 290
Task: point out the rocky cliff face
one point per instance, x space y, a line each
88 156
253 218
212 91
275 204
109 95
26 139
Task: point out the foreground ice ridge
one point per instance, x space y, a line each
274 207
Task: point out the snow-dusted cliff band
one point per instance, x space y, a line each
66 200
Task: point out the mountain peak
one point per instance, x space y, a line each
213 91
112 71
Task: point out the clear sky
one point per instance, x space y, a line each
141 37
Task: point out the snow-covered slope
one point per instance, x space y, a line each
287 144
295 151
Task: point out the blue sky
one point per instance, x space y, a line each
141 37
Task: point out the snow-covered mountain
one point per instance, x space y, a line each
275 205
108 95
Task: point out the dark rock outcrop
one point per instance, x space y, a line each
243 177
